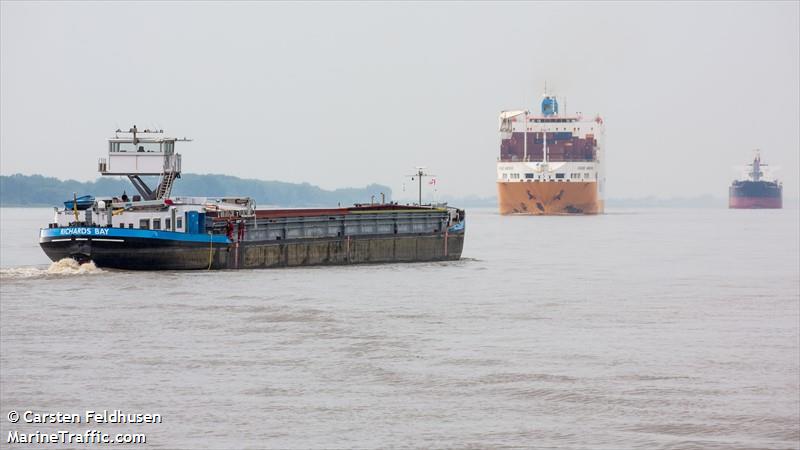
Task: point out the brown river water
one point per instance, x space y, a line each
649 328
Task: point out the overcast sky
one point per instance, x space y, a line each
349 94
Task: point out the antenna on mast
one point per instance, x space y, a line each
419 176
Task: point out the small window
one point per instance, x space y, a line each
167 224
529 175
122 225
130 225
559 175
179 223
156 224
144 224
505 176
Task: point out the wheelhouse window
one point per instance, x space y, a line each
179 223
156 224
167 224
144 224
140 147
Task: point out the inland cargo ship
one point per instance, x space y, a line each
153 230
549 163
755 192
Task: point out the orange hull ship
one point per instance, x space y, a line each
550 164
549 198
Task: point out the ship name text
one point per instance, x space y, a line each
84 231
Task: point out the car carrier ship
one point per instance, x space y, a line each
153 230
549 163
755 192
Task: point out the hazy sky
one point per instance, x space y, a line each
348 94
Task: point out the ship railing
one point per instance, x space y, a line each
241 206
514 158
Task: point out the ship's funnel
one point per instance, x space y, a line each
549 106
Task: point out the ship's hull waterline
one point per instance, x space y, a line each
549 198
755 203
161 254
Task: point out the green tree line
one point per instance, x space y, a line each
37 190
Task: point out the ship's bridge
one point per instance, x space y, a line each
136 153
142 153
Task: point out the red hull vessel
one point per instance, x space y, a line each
755 192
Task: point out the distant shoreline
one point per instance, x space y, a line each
38 191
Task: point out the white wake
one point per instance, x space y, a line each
62 267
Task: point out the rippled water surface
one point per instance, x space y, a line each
652 328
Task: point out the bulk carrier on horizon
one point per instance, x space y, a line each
755 192
550 164
156 231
